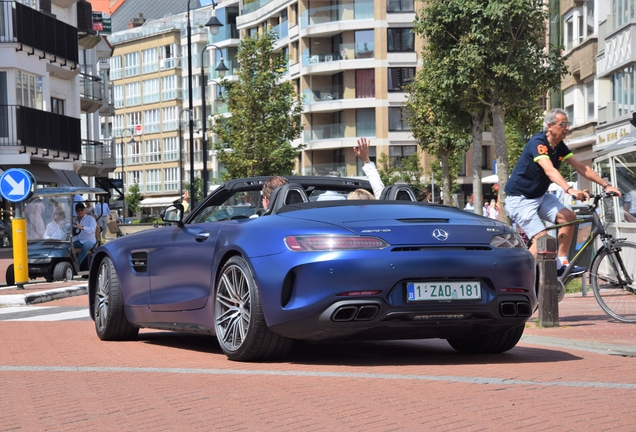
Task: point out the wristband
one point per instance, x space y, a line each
568 189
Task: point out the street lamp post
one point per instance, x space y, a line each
181 152
214 25
221 69
123 165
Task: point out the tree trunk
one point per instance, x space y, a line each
477 126
499 132
446 180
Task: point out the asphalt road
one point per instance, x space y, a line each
55 374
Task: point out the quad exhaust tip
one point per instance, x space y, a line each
364 312
515 309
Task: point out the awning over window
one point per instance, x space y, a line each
71 177
159 201
44 175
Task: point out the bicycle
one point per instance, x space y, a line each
613 269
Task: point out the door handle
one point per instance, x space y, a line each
202 236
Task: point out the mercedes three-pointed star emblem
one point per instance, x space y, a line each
440 234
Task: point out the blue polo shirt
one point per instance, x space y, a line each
528 178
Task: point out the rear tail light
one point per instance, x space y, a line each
327 243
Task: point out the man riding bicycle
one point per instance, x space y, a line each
527 202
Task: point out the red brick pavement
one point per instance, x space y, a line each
60 376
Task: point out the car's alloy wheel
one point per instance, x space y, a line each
491 344
238 316
110 319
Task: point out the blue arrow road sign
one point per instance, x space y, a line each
17 184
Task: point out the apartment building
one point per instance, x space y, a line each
150 78
49 87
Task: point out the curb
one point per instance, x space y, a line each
42 296
594 347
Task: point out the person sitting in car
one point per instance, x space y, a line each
56 229
84 231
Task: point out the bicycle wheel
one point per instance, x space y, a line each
616 296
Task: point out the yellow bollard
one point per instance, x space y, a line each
20 253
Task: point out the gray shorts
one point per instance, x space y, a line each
529 213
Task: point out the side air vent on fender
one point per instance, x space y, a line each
139 261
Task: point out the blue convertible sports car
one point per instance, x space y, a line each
316 266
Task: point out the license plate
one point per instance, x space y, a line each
444 291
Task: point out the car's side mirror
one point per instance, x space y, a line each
174 214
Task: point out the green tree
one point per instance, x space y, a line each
198 189
133 198
491 54
409 171
439 124
265 113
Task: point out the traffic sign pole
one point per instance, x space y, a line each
17 185
20 252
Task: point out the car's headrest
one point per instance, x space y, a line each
291 193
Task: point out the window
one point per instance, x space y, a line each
151 91
171 148
365 83
398 119
365 122
57 106
133 94
485 157
589 92
28 90
623 90
153 180
590 17
135 153
153 151
170 118
131 64
400 77
170 56
152 122
133 119
364 47
400 40
624 11
569 33
118 125
171 179
134 177
170 87
118 96
398 153
150 60
115 68
399 6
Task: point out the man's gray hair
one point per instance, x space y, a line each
550 117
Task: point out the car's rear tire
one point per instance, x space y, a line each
63 271
111 323
10 275
491 344
238 316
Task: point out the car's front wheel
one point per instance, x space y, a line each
63 271
238 316
110 319
491 344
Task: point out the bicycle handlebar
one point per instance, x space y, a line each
597 197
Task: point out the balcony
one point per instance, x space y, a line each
320 94
48 133
91 93
34 30
171 63
359 9
347 51
98 158
334 169
225 33
339 130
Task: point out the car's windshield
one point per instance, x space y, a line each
238 206
49 218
